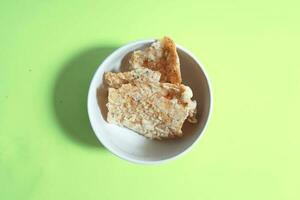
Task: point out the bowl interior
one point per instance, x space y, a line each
130 145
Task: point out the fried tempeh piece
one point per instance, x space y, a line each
160 56
155 110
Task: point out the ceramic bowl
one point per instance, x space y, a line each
126 143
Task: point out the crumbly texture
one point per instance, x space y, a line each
116 80
150 99
160 56
155 110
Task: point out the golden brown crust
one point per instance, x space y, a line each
172 69
160 56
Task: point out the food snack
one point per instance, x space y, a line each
150 98
153 109
160 56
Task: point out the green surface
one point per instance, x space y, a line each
50 49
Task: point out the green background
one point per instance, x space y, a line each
50 49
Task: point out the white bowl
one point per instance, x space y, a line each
126 143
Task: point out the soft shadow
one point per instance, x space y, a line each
125 62
102 99
70 94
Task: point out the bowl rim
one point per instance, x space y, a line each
147 162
